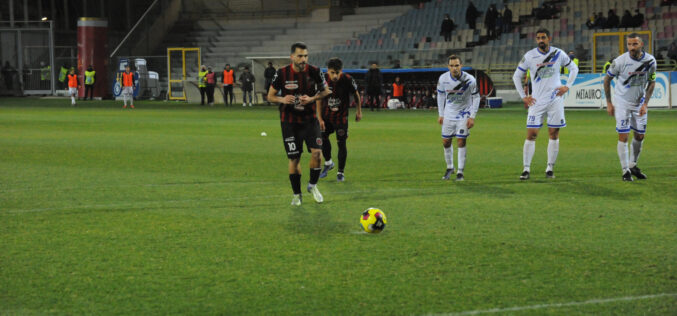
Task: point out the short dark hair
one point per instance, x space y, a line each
227 64
296 45
634 35
452 57
543 30
335 63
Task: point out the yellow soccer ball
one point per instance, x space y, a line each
373 220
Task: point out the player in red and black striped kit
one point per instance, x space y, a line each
334 118
300 86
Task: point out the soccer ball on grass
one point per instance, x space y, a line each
373 220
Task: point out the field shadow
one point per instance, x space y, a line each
316 220
591 189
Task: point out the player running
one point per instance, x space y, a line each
73 85
635 73
301 85
457 102
334 117
544 64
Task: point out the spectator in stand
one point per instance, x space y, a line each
600 21
210 81
247 81
672 51
268 74
428 100
612 21
507 20
626 20
397 65
471 15
591 22
398 91
447 27
638 18
490 21
374 80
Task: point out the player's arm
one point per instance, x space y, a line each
318 113
517 80
475 104
573 72
358 102
648 93
318 77
273 97
610 74
441 102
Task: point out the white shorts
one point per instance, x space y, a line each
455 128
627 117
73 91
129 91
554 112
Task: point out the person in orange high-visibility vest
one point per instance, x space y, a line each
228 80
398 90
73 85
128 87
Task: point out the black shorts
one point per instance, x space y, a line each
294 134
340 129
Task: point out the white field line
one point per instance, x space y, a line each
558 305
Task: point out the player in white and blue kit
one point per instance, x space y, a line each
544 64
635 74
457 102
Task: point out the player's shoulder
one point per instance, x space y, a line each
346 76
445 78
467 76
314 69
650 57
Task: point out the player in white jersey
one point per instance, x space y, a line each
544 64
457 102
635 73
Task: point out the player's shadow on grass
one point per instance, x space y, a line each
316 220
493 190
591 189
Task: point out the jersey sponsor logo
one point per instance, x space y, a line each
636 72
545 64
291 85
333 103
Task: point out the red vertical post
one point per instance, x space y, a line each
93 50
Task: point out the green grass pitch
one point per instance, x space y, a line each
182 209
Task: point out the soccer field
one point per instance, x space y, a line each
183 209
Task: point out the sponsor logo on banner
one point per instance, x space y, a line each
673 87
588 91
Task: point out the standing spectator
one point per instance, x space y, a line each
447 27
672 51
507 20
428 100
228 81
638 18
612 21
201 83
8 75
247 81
471 15
600 21
626 20
591 22
374 80
268 74
398 90
63 72
490 21
90 78
45 75
210 80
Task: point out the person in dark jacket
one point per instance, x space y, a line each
471 15
447 27
612 21
374 80
638 19
490 21
210 81
626 20
247 82
507 20
268 74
